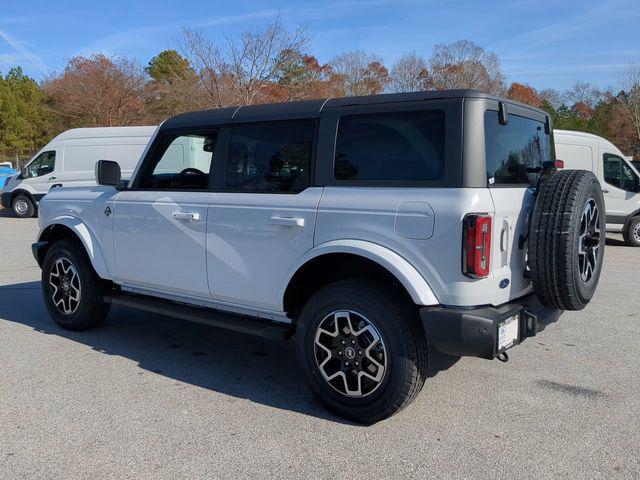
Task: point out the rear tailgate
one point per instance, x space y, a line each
509 248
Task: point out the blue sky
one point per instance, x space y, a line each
549 44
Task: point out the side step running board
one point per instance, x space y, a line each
207 316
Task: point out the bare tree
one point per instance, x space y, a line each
630 96
241 69
464 64
360 73
408 74
583 93
100 91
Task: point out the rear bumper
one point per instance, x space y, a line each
5 199
474 331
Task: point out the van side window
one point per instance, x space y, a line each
43 164
270 157
515 151
391 146
180 162
618 174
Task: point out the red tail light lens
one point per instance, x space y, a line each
476 245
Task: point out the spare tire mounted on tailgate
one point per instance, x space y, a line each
566 239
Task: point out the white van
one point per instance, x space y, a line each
69 161
619 179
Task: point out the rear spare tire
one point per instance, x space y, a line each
566 239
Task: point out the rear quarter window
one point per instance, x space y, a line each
401 145
515 152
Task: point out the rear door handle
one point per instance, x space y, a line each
287 221
604 190
186 216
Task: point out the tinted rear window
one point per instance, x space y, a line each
391 146
515 151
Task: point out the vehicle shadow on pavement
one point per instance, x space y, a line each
5 212
227 362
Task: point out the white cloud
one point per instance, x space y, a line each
23 51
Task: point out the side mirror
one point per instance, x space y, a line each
108 173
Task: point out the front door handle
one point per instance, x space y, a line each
52 178
186 216
287 221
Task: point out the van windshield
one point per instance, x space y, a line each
515 152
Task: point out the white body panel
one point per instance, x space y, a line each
76 154
253 242
373 215
584 151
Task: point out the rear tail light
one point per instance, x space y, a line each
476 245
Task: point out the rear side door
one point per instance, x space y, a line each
515 153
262 220
160 222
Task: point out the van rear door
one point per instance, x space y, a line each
515 153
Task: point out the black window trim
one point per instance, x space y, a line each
218 177
328 131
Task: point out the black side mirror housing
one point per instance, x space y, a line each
108 173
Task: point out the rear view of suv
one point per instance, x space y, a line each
366 228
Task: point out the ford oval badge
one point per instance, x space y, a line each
504 283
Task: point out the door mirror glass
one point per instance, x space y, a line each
107 173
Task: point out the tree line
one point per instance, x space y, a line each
274 64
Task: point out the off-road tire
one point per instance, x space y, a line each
23 207
631 233
555 239
91 309
396 320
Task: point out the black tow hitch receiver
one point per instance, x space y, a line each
529 324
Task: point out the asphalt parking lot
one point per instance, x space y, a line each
147 396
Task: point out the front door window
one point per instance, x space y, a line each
43 164
618 174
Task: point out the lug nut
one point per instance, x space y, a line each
359 352
343 342
353 342
339 352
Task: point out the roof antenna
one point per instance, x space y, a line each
503 118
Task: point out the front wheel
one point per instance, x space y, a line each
71 289
632 233
362 350
23 207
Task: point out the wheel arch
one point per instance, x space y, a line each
74 228
351 258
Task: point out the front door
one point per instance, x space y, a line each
263 220
160 222
42 173
620 188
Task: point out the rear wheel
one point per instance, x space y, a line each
362 350
23 207
566 239
71 289
632 233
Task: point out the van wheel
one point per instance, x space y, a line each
71 289
362 350
23 207
566 239
632 233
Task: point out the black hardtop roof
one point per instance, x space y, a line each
309 108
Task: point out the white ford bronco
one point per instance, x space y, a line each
368 229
